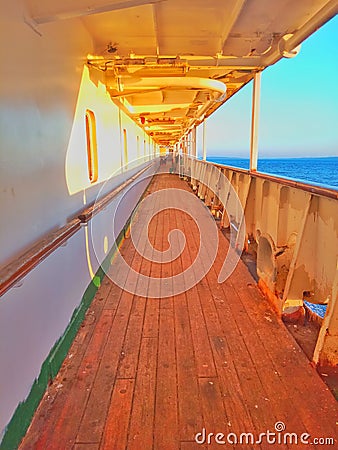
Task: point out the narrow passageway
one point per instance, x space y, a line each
160 373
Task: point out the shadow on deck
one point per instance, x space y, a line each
150 373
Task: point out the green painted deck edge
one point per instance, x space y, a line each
22 417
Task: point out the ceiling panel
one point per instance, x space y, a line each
183 29
226 40
129 30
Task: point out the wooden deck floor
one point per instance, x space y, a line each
150 373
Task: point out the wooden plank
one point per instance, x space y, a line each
142 416
155 237
103 293
192 446
165 226
165 271
229 355
203 354
209 289
93 420
131 346
239 419
189 406
86 446
114 297
76 393
253 391
166 413
214 414
282 405
151 318
127 251
116 427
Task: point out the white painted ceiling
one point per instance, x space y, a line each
144 47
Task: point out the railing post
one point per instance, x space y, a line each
204 141
193 143
254 121
325 352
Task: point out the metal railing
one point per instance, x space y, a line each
11 274
291 227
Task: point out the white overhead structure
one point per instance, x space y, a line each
171 63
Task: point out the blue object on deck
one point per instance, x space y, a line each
320 310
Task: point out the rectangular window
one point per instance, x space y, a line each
91 146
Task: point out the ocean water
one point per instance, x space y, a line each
318 171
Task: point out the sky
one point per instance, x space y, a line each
298 110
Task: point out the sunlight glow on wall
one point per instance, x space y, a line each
94 97
91 146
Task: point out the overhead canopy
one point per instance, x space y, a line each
171 63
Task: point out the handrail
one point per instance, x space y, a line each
88 213
317 190
19 268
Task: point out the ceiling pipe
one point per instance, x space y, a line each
323 16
